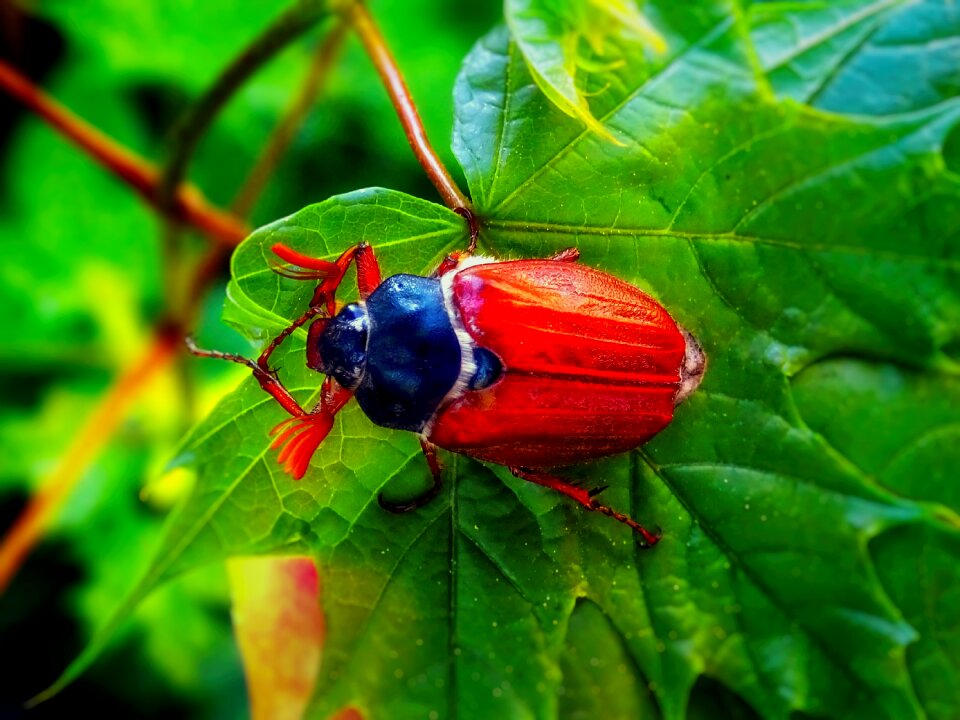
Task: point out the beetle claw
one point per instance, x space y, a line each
650 538
597 490
413 504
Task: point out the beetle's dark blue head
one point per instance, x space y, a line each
342 346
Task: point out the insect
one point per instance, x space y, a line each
530 364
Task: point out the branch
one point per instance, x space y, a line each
292 23
97 430
291 121
189 204
276 146
87 444
386 66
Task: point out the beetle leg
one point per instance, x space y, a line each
585 498
430 453
263 376
303 267
473 224
301 434
450 262
571 254
264 360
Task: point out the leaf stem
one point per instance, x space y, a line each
188 204
386 65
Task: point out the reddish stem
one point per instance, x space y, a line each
290 123
190 205
93 435
97 430
386 66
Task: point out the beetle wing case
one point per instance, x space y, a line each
591 365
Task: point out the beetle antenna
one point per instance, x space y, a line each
296 273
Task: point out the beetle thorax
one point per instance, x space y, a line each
343 345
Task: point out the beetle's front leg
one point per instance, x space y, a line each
301 434
267 379
585 498
430 453
303 267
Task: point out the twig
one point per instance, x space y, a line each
273 151
189 205
292 23
386 66
290 123
86 445
97 430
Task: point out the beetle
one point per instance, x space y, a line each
529 364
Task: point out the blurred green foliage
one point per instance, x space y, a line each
783 177
81 287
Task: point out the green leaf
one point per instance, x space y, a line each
862 57
777 235
251 506
558 38
814 255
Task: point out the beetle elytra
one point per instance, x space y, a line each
529 364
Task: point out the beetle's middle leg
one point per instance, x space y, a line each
452 260
430 453
585 498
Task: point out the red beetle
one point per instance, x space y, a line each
531 364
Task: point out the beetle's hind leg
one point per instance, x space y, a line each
586 498
430 453
570 254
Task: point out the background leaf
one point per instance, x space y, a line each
812 249
862 57
559 38
81 282
280 630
